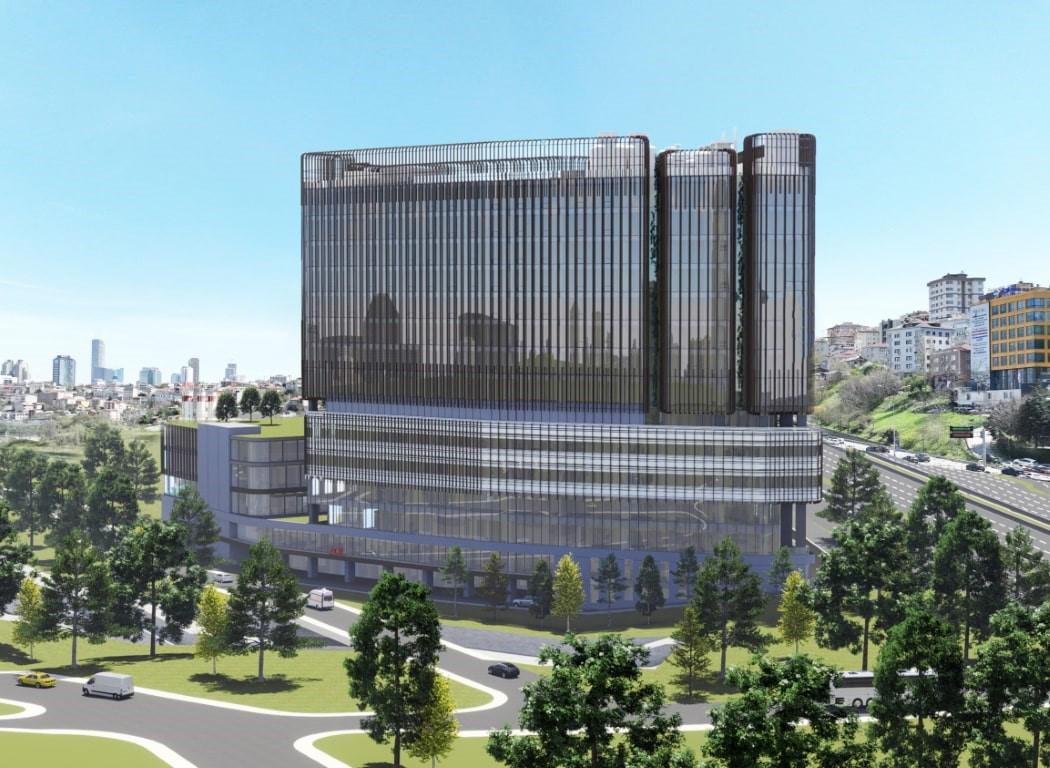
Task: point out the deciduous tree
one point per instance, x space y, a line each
264 605
438 726
77 594
728 601
149 566
455 573
649 589
568 590
392 672
226 406
780 718
593 697
797 617
30 626
214 622
250 401
270 405
609 582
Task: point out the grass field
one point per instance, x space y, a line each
359 751
31 749
9 709
314 681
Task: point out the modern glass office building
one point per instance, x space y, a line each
541 347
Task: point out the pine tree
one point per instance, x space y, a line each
684 573
855 488
264 606
143 471
937 503
494 582
112 505
77 594
541 590
198 521
1027 573
797 618
648 588
13 558
568 590
692 649
455 571
213 620
438 726
728 601
29 628
610 583
23 476
779 571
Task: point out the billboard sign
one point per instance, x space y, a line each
980 362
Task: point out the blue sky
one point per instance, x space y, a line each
149 152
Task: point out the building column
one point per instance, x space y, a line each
313 512
786 533
311 567
348 571
800 524
428 578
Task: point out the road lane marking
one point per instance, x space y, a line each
160 751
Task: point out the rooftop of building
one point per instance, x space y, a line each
954 276
283 426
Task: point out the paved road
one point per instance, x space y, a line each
903 490
212 736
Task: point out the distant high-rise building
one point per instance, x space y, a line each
195 365
98 360
953 295
7 368
21 370
150 377
231 372
176 379
64 371
186 375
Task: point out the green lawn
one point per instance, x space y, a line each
31 749
283 426
314 681
553 630
9 709
359 751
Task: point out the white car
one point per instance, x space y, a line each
219 577
522 602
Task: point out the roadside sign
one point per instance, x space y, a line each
960 431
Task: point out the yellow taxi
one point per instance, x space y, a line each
37 680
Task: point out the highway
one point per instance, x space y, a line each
1003 500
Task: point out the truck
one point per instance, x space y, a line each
321 599
109 684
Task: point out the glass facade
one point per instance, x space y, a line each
697 192
532 348
779 261
503 276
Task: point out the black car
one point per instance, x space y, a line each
975 467
504 669
877 449
1011 471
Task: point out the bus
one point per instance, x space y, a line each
857 689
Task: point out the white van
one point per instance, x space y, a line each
109 684
219 577
321 599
